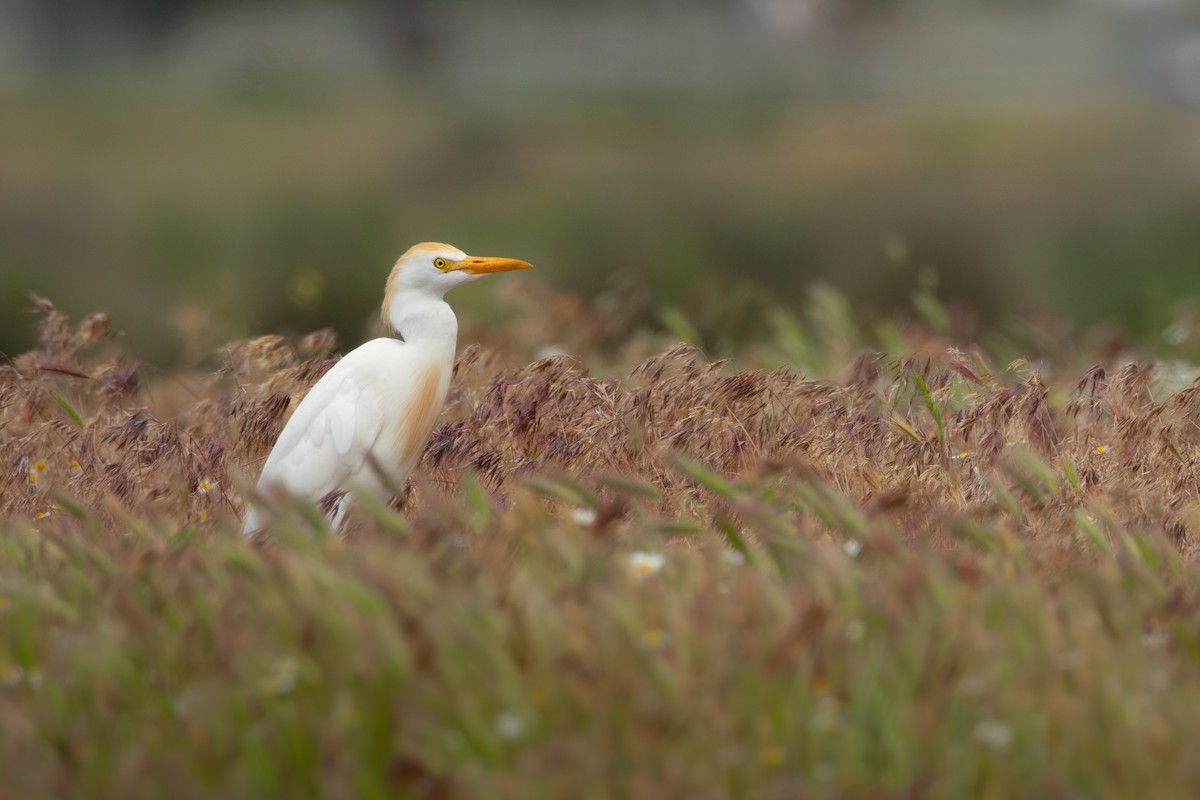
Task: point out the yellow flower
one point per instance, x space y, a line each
1101 449
36 470
654 638
203 486
10 676
772 756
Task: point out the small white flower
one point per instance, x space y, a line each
1175 333
30 677
583 516
992 733
1155 639
509 726
204 486
852 547
734 557
645 563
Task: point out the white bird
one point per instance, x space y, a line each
364 425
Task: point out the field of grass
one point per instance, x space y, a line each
621 571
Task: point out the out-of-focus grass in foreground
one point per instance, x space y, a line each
518 654
911 576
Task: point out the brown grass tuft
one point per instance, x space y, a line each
920 442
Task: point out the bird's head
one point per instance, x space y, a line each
432 269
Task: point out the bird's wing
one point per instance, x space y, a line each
329 435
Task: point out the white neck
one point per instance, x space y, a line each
420 318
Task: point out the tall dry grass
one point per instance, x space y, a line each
927 442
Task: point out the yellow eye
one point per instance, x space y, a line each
440 263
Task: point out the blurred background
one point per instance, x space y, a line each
212 169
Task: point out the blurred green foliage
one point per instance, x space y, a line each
195 217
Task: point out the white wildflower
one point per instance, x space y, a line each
1176 333
645 563
509 726
583 516
1155 639
992 733
734 557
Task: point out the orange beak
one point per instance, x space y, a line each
484 265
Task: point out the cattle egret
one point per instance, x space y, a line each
363 426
